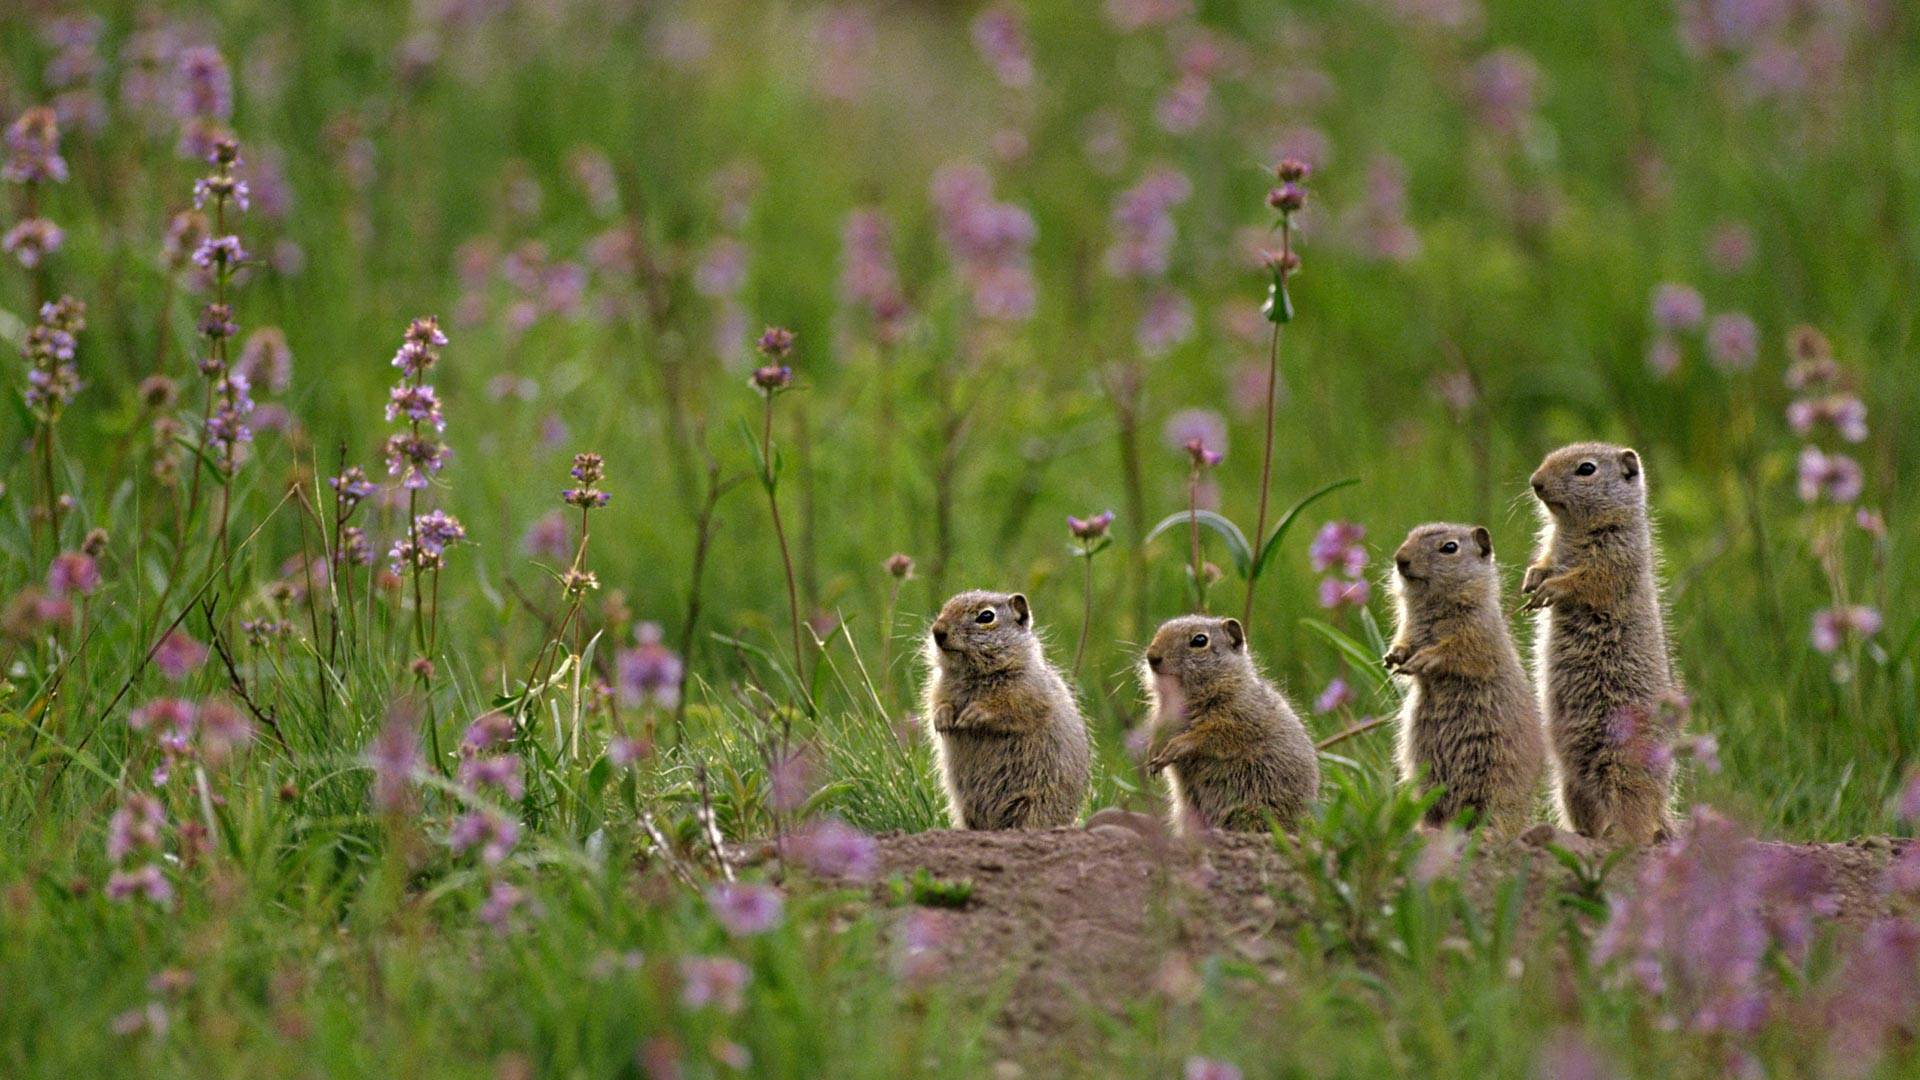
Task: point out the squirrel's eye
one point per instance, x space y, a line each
1199 641
1449 548
985 618
1587 468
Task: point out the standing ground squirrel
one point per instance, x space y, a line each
1470 722
1601 649
1010 742
1234 750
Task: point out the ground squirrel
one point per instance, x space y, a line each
1234 750
1601 654
1470 723
1010 741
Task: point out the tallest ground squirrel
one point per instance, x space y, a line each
1601 656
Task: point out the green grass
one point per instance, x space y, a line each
324 938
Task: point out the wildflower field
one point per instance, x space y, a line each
479 474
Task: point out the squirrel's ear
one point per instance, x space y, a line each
1484 538
1021 612
1236 633
1629 464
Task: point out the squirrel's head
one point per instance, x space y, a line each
1195 651
1585 481
981 630
1444 560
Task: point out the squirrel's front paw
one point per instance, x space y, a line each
1394 658
1160 760
944 718
1535 576
1419 663
1545 593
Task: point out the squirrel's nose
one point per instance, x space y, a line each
1153 661
1539 488
1405 564
939 635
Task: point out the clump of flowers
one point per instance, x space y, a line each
412 455
415 455
649 673
719 982
869 277
52 382
489 777
225 428
188 737
33 149
843 42
1733 341
1676 309
178 655
1001 37
745 909
1339 554
1730 340
1831 482
1337 695
1708 920
829 848
203 99
991 242
32 160
394 757
1142 249
1379 224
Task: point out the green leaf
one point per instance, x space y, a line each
1342 761
598 776
1082 551
753 446
1363 661
1376 641
1237 545
1279 306
1286 521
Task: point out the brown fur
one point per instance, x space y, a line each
1470 723
1010 742
1601 655
1235 753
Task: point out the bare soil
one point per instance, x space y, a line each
1065 925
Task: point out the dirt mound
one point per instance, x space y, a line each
1065 924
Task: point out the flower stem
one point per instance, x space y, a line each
1086 611
1193 531
1266 468
779 532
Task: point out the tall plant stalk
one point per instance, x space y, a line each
1287 199
776 344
